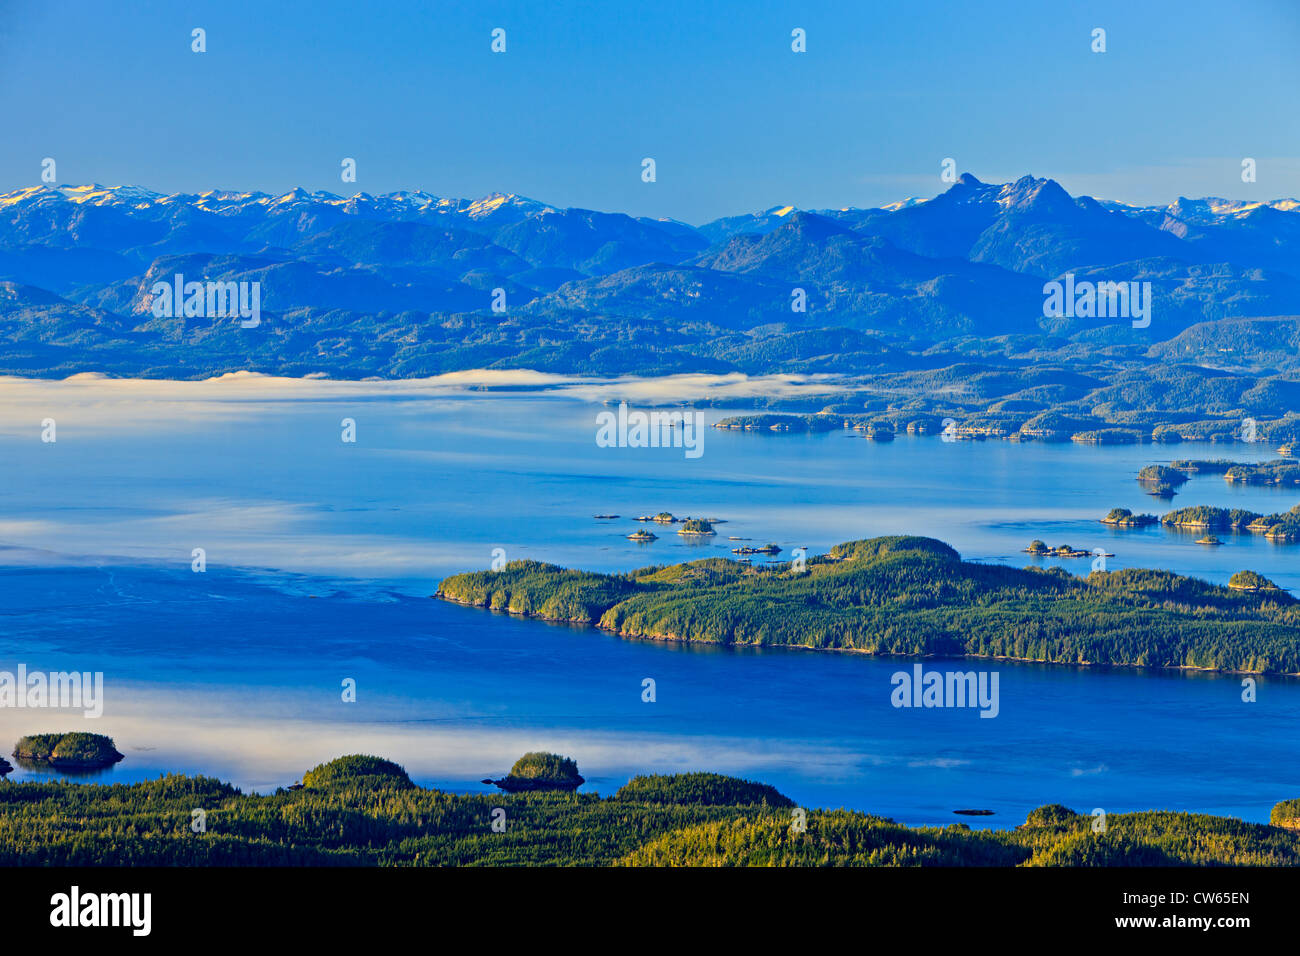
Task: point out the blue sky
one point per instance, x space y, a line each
735 121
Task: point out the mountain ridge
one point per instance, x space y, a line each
524 280
1211 207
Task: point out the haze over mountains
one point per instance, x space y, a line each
402 284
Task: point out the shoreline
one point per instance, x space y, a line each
749 645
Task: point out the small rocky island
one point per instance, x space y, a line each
643 535
1161 481
767 549
667 517
75 751
1123 518
1161 489
1060 551
696 526
876 431
540 771
663 517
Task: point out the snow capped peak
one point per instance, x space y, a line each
1240 207
1212 209
968 189
1115 205
1027 191
97 195
227 195
21 196
222 202
487 205
92 194
499 202
297 194
415 197
907 203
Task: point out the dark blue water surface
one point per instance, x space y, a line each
321 556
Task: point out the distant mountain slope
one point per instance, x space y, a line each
1233 343
962 270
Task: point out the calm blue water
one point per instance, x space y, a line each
321 556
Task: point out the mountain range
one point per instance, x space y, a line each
404 284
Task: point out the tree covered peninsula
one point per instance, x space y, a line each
914 596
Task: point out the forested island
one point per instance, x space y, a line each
366 811
914 596
1162 474
1283 528
1207 518
696 526
1279 471
73 751
1123 518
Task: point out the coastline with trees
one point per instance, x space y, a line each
914 597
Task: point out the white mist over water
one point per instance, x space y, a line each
254 471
